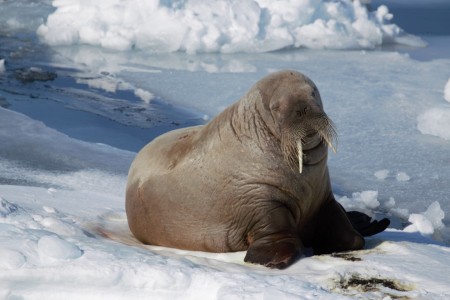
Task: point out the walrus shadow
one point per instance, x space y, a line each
113 226
394 235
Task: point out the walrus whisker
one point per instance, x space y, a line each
325 128
328 140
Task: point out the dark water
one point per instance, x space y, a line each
34 86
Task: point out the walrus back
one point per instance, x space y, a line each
158 213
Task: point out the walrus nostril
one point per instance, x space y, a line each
302 112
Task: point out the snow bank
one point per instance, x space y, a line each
31 152
436 120
220 26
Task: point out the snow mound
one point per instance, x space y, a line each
11 259
54 247
447 91
220 26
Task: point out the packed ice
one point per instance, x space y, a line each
220 26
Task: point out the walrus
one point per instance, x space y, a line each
254 178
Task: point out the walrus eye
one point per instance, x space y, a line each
313 94
275 107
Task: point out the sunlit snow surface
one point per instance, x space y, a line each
73 117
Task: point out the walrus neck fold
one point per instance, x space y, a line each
247 122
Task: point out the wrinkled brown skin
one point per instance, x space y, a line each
225 186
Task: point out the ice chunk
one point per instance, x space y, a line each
146 96
419 223
447 91
382 174
390 203
427 222
435 214
435 121
402 176
365 200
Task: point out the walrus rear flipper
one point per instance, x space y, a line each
365 225
273 243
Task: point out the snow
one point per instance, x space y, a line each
428 222
52 246
381 174
361 200
447 91
72 118
402 176
436 120
220 26
79 264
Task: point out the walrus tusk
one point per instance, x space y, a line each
300 156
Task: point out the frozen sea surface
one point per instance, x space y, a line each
72 117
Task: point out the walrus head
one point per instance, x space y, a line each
294 112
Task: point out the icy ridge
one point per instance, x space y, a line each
220 26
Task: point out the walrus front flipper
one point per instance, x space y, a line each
365 225
334 232
273 240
